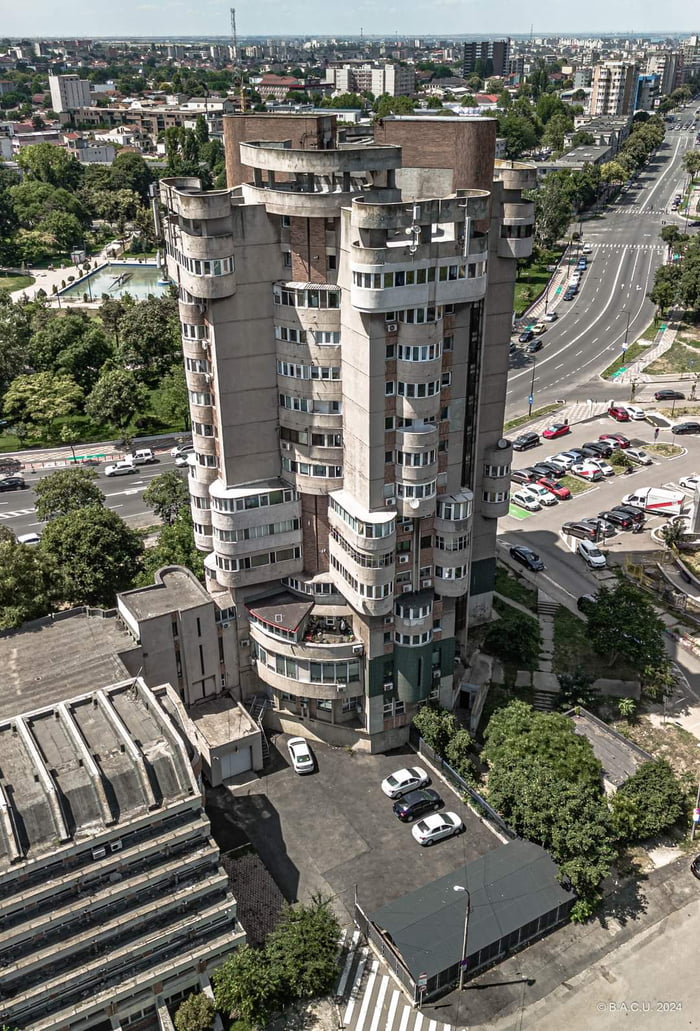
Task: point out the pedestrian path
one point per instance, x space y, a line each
369 998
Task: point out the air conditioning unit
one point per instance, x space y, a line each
286 445
204 342
225 626
341 685
406 588
388 502
115 846
201 306
404 559
388 620
392 327
244 642
436 674
388 685
406 524
99 853
427 582
358 649
208 376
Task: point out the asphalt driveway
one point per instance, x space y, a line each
334 831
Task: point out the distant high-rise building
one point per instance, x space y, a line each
69 93
493 56
668 65
346 312
647 92
614 88
395 79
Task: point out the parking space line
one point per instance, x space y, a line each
361 1016
393 1006
380 1002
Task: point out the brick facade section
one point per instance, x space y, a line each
304 132
314 525
307 238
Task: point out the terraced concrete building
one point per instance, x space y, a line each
346 313
113 905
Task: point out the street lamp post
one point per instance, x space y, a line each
625 342
467 910
531 398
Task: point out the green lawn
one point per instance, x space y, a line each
682 356
572 650
537 413
12 283
575 485
510 586
623 361
533 280
665 450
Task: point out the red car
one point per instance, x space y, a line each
557 489
619 438
619 414
557 429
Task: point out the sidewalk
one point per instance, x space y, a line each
46 279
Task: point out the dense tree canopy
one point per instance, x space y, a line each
27 582
66 490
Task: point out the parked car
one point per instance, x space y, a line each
601 527
10 465
300 754
528 475
669 395
615 440
581 530
683 428
539 328
402 781
591 554
546 469
525 499
564 458
634 411
587 248
639 456
28 538
436 827
605 467
582 264
534 346
184 458
695 867
558 465
182 449
550 316
12 483
122 468
526 336
601 447
586 602
617 519
575 454
569 294
635 514
527 557
415 803
587 471
545 497
690 482
619 414
526 441
557 429
557 489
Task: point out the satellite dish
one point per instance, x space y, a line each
414 503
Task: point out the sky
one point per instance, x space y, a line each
407 18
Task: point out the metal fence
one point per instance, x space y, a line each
457 781
384 949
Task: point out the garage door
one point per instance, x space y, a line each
236 762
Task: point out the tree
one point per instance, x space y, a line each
49 164
553 210
129 171
245 985
172 401
459 754
63 228
167 495
519 131
96 555
691 162
66 490
15 333
149 337
650 801
673 535
613 172
71 343
581 138
34 202
514 638
665 290
116 398
201 129
27 582
556 129
437 726
36 399
175 547
196 1013
624 625
302 950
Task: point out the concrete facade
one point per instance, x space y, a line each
69 93
113 903
346 316
494 55
614 88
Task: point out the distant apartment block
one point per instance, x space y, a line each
113 903
614 88
668 65
395 79
69 93
493 55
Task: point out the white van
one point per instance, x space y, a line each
142 457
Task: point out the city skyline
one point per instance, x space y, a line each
145 18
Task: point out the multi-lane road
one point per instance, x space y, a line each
122 493
626 251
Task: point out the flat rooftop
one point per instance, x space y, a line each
53 659
73 770
175 588
221 720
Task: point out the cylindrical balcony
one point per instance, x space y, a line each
448 584
515 175
515 247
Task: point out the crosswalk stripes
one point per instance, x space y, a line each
17 512
372 1000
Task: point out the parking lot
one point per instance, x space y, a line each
334 830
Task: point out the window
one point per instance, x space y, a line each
418 389
251 533
389 388
452 510
452 543
197 365
298 371
252 501
493 497
310 469
193 331
200 266
413 640
496 471
416 490
296 404
367 561
207 461
418 316
287 258
361 528
295 336
391 351
200 397
414 459
306 298
424 353
234 565
448 343
388 457
389 422
450 572
286 221
200 503
326 337
331 262
446 379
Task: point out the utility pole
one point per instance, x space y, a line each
234 35
467 910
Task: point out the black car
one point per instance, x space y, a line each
415 803
669 395
547 469
586 602
527 475
600 526
527 557
569 295
526 336
682 428
617 519
695 867
635 514
583 531
534 345
526 441
12 483
597 449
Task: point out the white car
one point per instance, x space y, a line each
401 781
436 827
524 499
612 442
184 458
181 449
587 249
639 456
690 482
562 459
120 468
300 754
550 316
587 470
591 554
29 538
605 467
544 496
634 411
